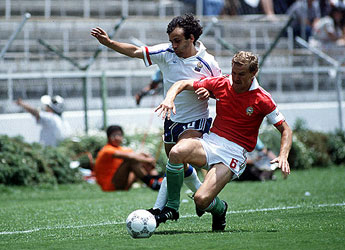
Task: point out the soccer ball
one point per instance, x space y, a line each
141 224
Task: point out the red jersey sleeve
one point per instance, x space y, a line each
208 83
270 109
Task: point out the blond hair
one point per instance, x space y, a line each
246 58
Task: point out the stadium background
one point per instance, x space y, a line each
305 84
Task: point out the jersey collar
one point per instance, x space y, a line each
255 84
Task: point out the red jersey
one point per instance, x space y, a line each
239 116
106 166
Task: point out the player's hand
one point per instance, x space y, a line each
203 94
283 164
165 109
100 35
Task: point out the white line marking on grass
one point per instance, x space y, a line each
185 216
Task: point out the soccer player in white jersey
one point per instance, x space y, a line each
241 106
183 58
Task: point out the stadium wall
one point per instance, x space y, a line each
318 116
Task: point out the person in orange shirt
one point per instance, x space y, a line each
117 167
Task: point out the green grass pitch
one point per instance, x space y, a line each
306 211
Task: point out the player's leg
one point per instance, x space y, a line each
194 129
206 198
227 161
172 131
187 150
162 198
215 180
191 178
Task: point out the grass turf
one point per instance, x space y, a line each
306 211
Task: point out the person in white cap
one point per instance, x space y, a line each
53 127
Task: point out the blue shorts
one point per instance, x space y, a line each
173 130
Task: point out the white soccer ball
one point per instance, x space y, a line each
141 224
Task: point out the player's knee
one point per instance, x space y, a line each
201 200
177 154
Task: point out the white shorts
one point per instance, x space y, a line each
220 150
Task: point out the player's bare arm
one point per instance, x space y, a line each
168 105
285 146
123 48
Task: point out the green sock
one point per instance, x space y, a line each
216 207
175 174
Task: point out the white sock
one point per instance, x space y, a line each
192 181
162 196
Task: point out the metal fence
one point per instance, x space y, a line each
308 80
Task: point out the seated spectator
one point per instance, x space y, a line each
210 7
267 7
259 167
53 127
117 167
157 78
325 7
306 14
329 30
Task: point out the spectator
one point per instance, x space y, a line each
53 127
329 30
210 7
117 167
325 7
306 13
157 78
259 167
267 7
231 7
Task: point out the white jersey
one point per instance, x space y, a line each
188 106
54 128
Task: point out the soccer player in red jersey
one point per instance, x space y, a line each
241 106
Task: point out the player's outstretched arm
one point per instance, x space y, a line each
123 48
285 146
168 105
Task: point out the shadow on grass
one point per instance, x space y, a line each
210 231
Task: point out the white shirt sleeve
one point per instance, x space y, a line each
155 54
275 116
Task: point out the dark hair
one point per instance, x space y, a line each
188 23
333 11
113 128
